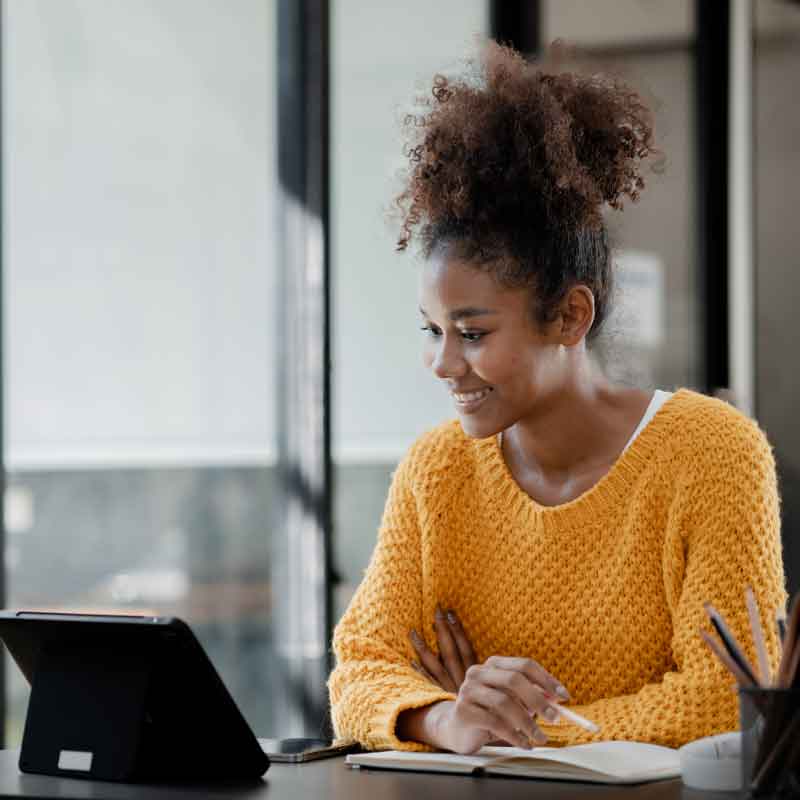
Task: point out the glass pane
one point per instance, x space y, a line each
653 337
777 175
383 396
382 53
139 192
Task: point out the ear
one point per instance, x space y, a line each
577 315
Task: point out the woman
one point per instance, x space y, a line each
575 526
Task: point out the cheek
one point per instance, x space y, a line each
500 365
513 369
528 370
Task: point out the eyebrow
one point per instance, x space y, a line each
464 313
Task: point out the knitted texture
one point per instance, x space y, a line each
606 591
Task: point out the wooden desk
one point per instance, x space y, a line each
331 779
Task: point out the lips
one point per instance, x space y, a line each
469 397
469 402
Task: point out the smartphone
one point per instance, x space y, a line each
295 751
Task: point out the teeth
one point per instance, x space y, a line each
470 397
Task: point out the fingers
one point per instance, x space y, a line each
534 672
518 687
495 711
430 662
468 657
422 671
455 656
448 649
499 699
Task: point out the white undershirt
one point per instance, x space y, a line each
658 400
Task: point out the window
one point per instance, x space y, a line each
383 398
139 193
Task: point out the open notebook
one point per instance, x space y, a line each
599 762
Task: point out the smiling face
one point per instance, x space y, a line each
499 365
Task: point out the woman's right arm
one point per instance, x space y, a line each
374 682
380 700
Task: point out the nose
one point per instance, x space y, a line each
447 360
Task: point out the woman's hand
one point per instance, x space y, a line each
499 699
456 654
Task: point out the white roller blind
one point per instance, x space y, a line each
139 231
383 53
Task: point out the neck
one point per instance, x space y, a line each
581 426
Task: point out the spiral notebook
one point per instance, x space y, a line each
598 762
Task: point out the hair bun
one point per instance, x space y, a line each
511 143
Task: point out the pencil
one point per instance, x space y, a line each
719 651
571 716
780 622
794 668
789 645
730 643
758 636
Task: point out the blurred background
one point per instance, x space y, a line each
210 355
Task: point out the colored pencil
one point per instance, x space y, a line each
780 622
758 637
789 646
730 643
719 651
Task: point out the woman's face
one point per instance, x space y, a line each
498 364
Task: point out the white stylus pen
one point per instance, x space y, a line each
571 716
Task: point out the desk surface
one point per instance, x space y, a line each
330 778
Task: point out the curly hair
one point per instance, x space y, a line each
512 164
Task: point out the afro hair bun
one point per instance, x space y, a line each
512 145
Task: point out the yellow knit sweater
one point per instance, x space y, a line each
606 591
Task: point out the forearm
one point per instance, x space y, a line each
368 697
661 715
374 682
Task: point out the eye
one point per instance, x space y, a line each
431 330
472 336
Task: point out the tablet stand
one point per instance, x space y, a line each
87 712
123 700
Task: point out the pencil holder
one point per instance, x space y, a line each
770 725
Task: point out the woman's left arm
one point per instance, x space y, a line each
723 534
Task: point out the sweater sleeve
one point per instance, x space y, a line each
373 681
722 535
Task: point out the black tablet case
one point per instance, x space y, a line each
139 694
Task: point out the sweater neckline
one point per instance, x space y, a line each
612 488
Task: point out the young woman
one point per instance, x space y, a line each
556 542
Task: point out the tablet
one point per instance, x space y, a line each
126 698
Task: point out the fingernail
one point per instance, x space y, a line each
451 618
539 737
439 614
550 714
562 692
415 636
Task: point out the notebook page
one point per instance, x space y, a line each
622 761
